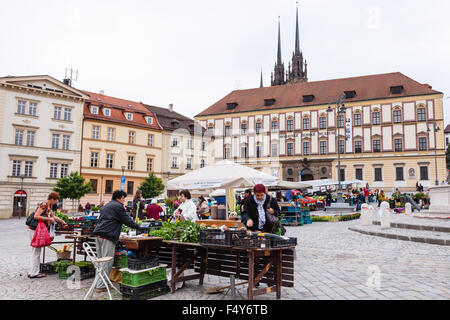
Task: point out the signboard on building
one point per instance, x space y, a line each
348 135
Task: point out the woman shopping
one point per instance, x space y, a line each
187 209
202 208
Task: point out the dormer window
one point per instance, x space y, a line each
94 109
129 116
350 94
107 112
269 102
175 124
232 105
149 120
308 98
397 89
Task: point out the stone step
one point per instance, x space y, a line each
416 226
405 234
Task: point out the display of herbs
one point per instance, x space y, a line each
61 215
125 228
184 231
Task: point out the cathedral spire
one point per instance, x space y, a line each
298 72
261 83
278 74
297 35
279 43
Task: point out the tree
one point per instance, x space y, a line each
72 187
151 187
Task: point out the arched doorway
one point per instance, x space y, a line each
307 175
20 203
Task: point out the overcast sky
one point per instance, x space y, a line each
192 53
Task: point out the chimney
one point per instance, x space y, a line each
102 92
171 107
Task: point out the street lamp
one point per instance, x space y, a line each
340 109
435 129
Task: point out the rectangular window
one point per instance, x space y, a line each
357 119
32 108
358 146
274 126
398 144
65 142
423 173
64 170
131 136
68 114
258 151
399 174
244 128
342 174
95 132
94 159
150 140
130 162
376 117
17 164
111 134
274 150
378 174
290 149
421 114
21 106
227 131
94 109
149 164
57 113
188 163
423 143
305 148
30 138
106 112
397 116
258 127
323 122
189 144
108 186
323 147
376 146
174 142
55 141
94 185
19 137
109 160
227 153
243 152
290 125
340 121
359 174
341 146
130 187
53 170
202 163
174 163
306 124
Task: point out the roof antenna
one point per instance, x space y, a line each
71 75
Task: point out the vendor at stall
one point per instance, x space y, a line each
187 209
256 207
109 226
202 208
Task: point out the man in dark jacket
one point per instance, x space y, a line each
108 229
256 206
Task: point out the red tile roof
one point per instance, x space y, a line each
118 108
325 92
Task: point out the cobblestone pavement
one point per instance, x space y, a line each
332 263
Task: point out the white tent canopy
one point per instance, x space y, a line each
221 175
289 185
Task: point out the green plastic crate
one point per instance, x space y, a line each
121 261
87 270
144 278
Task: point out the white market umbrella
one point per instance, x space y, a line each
222 175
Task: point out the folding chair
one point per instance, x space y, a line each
100 274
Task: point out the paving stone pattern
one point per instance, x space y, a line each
332 263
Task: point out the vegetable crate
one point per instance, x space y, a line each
143 263
47 268
277 243
120 261
218 237
306 219
148 226
87 270
253 241
144 278
145 292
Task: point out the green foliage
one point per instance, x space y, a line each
336 218
152 186
72 187
184 231
62 216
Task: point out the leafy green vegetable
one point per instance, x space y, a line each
184 231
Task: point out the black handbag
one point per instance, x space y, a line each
272 220
32 222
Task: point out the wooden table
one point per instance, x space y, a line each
188 254
218 223
143 245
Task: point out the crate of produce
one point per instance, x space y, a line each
86 268
47 268
253 241
146 262
133 278
145 292
120 261
217 237
149 225
277 242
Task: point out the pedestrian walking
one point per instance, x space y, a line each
87 208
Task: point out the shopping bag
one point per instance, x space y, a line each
41 237
52 230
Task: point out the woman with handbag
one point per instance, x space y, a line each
261 211
44 215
